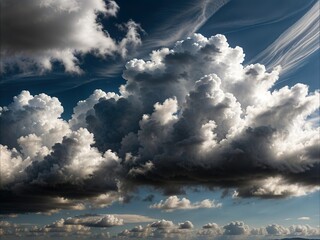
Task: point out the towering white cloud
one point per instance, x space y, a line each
191 115
40 151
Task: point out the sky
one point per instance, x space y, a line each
159 119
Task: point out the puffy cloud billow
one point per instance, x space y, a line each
174 203
161 229
38 33
193 115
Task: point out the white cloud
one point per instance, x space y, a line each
188 21
304 218
84 108
63 229
186 225
162 224
161 229
277 186
106 220
76 160
33 123
133 218
236 228
174 203
193 115
28 38
40 148
136 232
210 230
275 229
304 230
95 221
258 231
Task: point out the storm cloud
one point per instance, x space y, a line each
193 115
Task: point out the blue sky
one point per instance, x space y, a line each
200 132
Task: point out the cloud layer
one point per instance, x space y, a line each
40 32
193 115
162 229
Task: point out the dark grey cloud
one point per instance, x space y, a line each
149 198
189 116
42 175
112 121
225 129
38 33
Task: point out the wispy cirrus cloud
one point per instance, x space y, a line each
183 24
295 45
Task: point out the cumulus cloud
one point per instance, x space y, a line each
42 154
32 123
174 203
223 125
258 231
210 230
27 38
162 224
61 229
275 229
106 220
161 229
95 221
236 228
304 230
84 108
136 232
187 116
186 225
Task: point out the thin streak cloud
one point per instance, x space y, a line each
295 45
185 23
